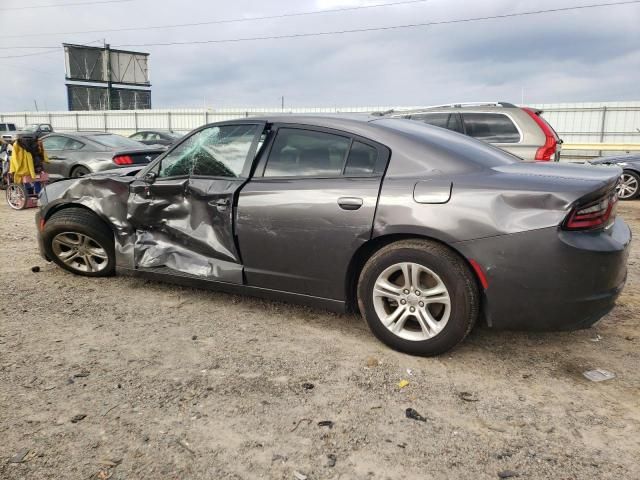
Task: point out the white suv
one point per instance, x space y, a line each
518 130
7 130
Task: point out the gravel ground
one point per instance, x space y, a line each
125 378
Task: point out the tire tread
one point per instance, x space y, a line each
85 219
452 258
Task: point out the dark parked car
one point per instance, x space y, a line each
80 153
421 229
629 185
156 137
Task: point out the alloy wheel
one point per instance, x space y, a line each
411 301
80 252
627 186
16 196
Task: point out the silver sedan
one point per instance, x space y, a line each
80 153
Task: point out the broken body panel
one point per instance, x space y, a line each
290 238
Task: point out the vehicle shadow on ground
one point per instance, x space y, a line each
512 346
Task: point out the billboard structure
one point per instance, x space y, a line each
99 78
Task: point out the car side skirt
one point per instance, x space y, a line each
337 306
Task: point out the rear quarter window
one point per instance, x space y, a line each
491 127
362 159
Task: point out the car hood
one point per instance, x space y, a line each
92 188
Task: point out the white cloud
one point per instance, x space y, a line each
587 55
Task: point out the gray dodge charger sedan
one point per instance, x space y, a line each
423 230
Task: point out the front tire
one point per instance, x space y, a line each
80 242
418 297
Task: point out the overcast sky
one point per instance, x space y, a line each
585 55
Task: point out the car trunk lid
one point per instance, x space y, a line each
574 184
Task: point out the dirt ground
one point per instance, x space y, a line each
125 378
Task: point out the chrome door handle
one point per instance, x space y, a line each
222 204
350 203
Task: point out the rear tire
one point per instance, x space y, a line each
80 242
80 171
629 186
441 305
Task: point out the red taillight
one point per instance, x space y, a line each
593 215
123 160
546 152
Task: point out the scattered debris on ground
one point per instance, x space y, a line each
414 415
599 375
232 404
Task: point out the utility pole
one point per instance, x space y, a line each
282 103
107 53
36 104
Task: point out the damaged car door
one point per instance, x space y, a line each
182 208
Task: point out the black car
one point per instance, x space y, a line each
629 185
156 137
423 230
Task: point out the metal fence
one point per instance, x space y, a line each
614 123
126 122
576 123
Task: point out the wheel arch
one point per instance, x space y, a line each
79 165
368 249
63 206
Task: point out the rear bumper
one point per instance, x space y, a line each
551 279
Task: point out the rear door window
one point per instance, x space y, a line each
491 127
306 153
436 119
450 121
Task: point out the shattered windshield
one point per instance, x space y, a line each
214 151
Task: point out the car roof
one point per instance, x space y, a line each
84 133
352 123
159 130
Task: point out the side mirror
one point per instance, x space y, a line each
150 177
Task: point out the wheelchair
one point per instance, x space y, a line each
24 194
